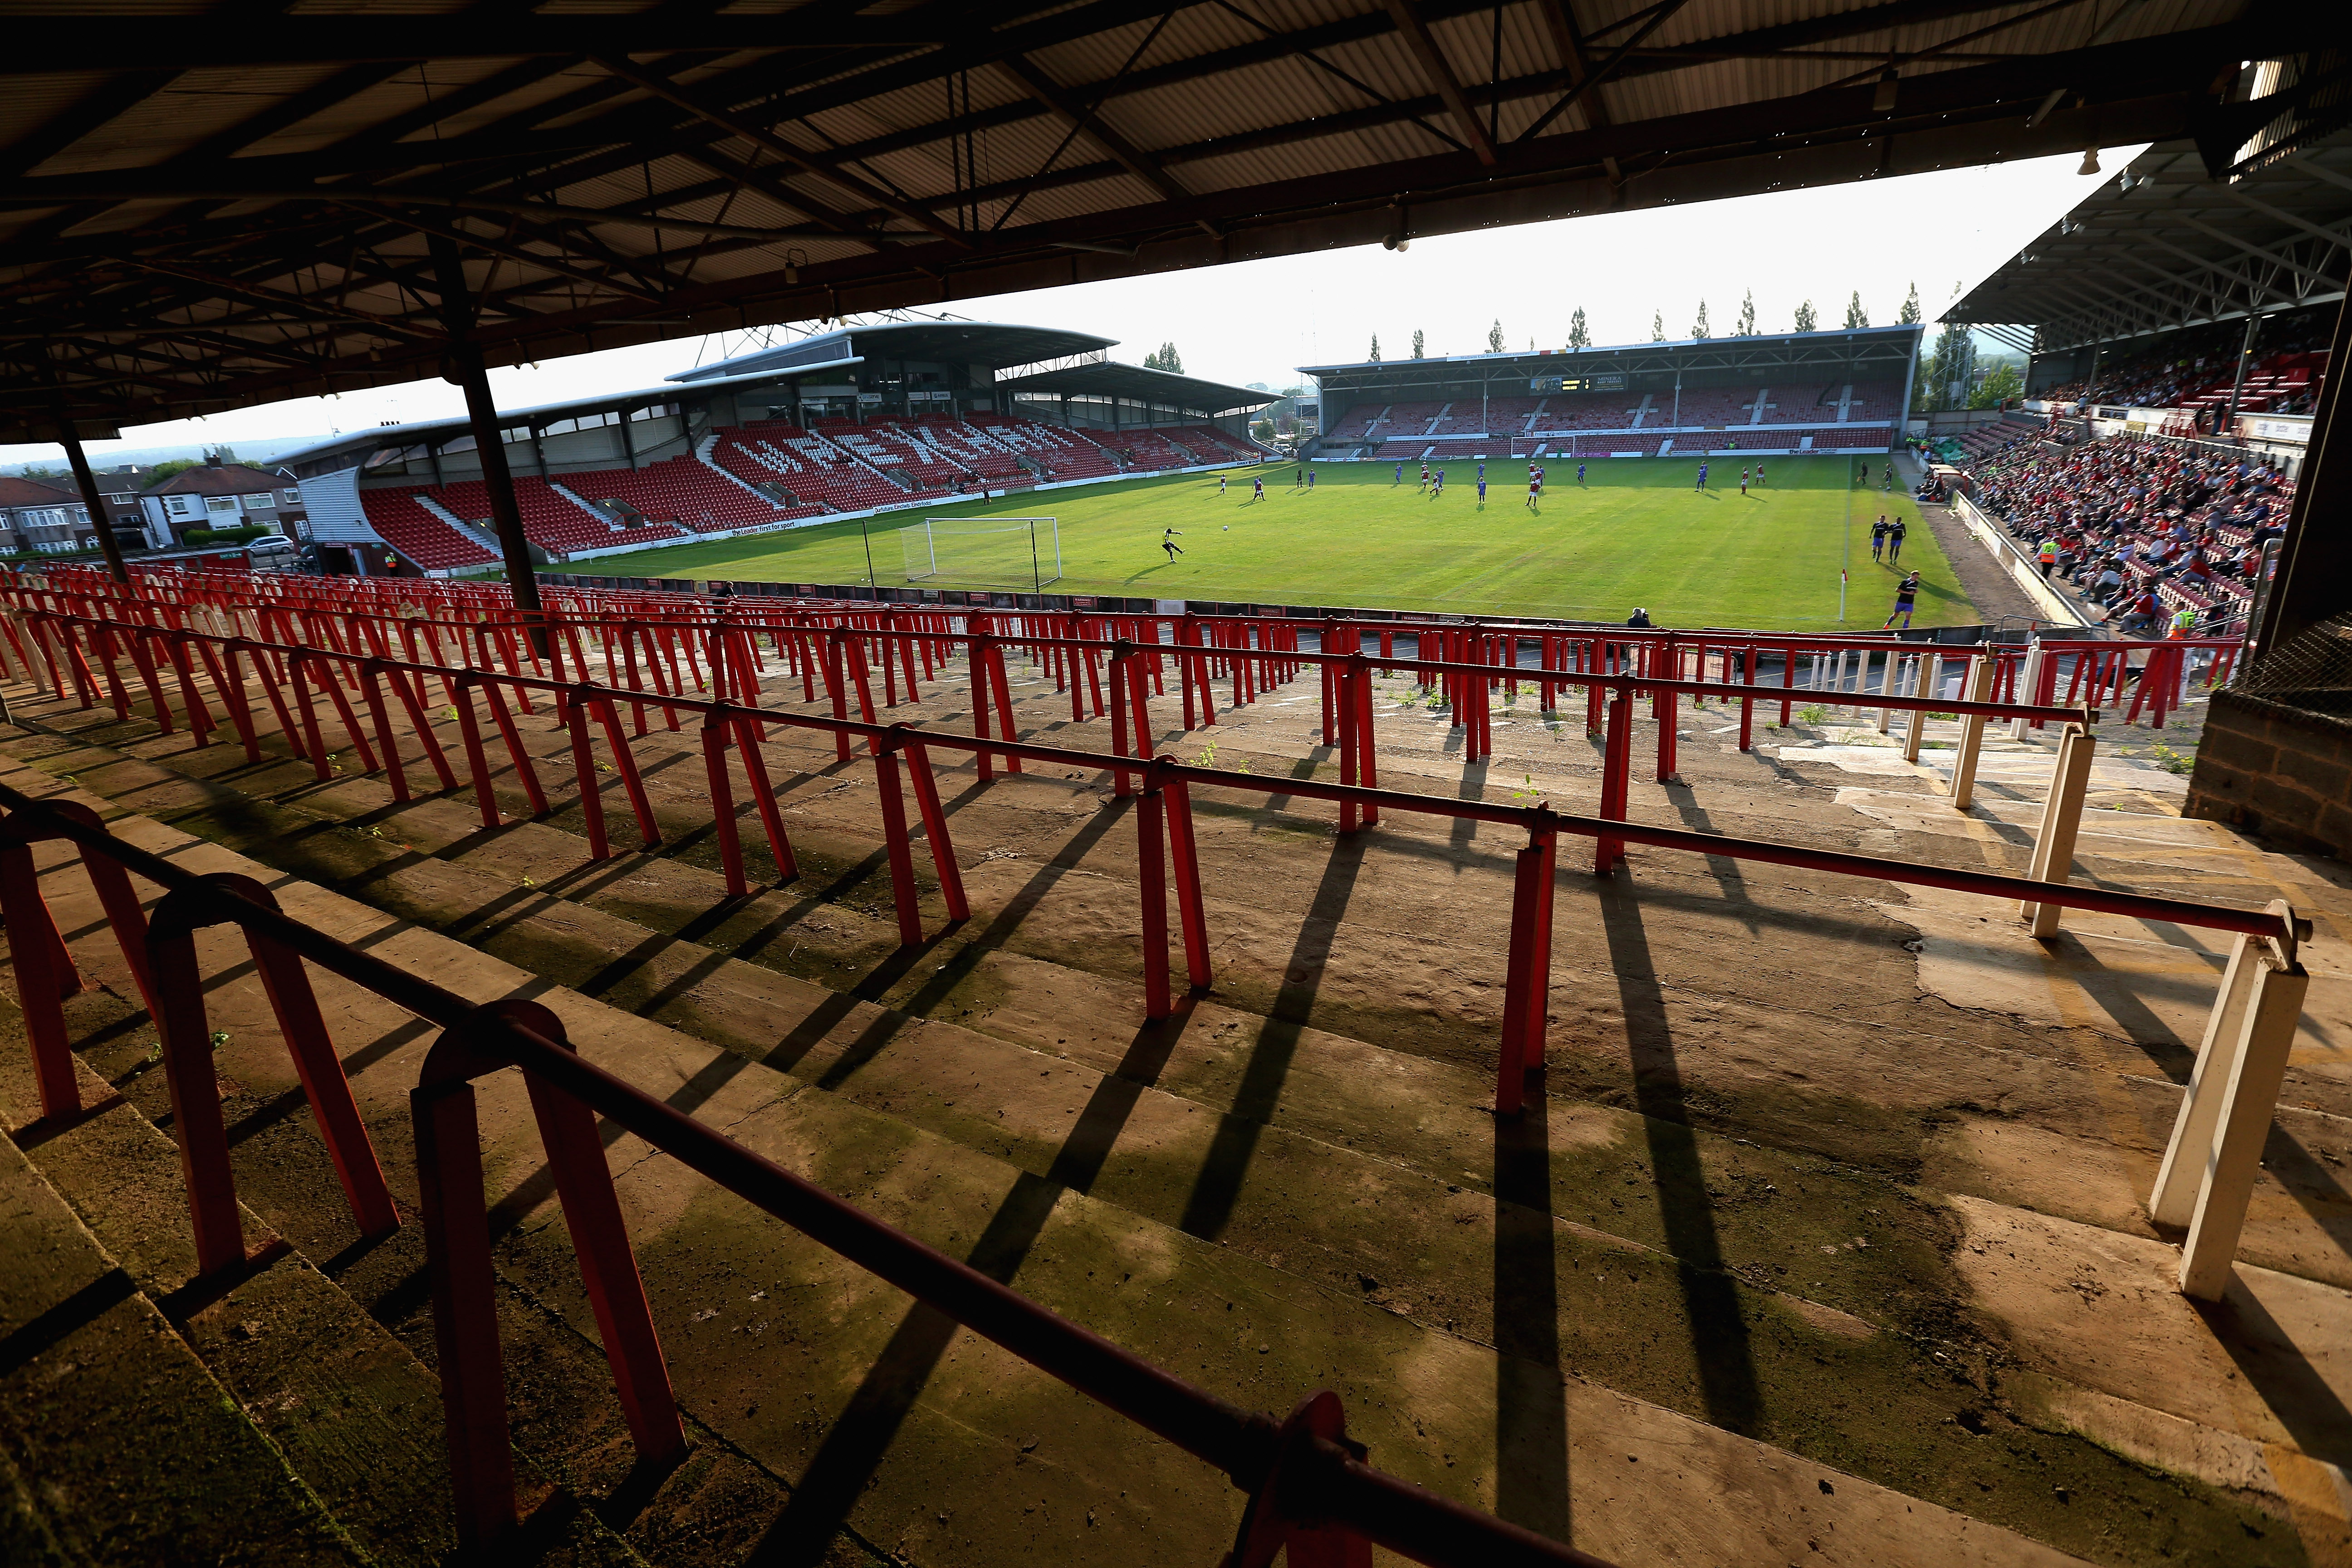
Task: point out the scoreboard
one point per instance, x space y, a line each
1612 383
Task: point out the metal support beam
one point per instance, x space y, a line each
807 162
1131 158
86 483
2315 565
1434 64
463 367
1589 82
2273 257
59 44
2334 237
2238 382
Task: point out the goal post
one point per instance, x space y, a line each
985 552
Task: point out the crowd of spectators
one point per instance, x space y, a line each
2144 528
2192 363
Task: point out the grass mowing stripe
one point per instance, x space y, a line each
1637 532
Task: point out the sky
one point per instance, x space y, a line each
1256 321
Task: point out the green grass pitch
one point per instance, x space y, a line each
1637 532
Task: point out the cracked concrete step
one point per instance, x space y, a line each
1571 1253
116 1443
776 1344
1713 1005
1333 1089
1028 991
333 1397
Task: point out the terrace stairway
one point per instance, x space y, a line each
1808 1249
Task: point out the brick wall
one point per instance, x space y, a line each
2275 770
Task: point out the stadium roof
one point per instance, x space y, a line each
2165 245
377 435
209 204
1108 378
970 343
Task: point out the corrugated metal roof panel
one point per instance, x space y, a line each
1282 118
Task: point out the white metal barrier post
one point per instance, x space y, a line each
2207 1179
1914 722
1972 729
2029 689
2062 819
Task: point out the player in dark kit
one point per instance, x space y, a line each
1702 477
1906 596
1580 473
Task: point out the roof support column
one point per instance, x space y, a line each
2315 565
2245 358
462 367
1910 380
86 483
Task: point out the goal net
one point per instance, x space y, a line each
986 552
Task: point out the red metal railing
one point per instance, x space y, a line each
847 655
1163 822
1311 1489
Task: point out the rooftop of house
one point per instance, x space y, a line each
213 477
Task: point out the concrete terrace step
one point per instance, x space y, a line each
116 1443
942 1450
1590 1147
330 1395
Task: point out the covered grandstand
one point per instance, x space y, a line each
2182 321
928 1195
2173 301
1768 394
848 423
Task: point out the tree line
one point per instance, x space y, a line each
1744 325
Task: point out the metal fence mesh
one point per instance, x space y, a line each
2311 670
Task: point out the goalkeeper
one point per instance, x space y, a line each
1168 542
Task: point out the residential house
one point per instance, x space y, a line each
216 495
35 514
